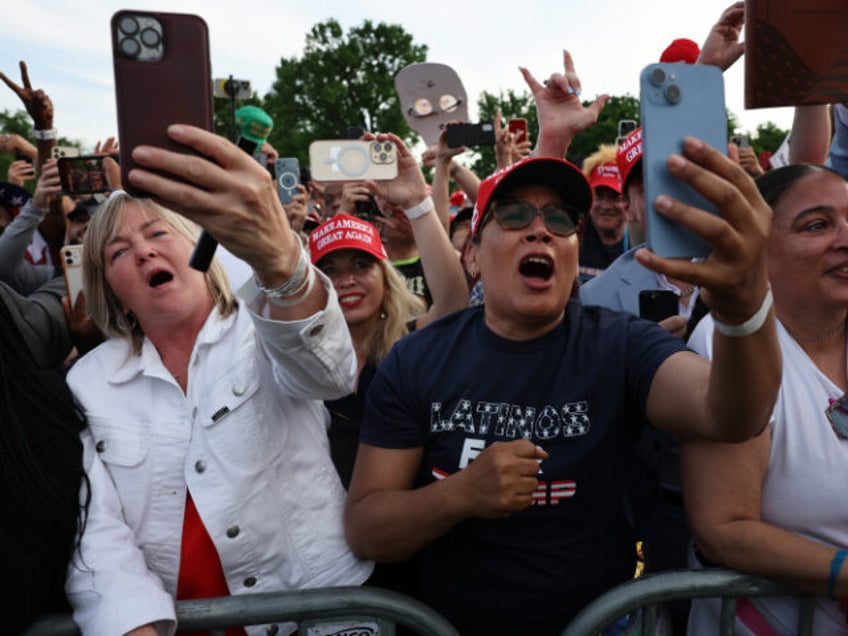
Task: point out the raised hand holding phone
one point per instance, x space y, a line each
677 101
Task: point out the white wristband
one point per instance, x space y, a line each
46 134
421 209
750 326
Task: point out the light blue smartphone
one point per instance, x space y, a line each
676 101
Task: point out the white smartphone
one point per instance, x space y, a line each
352 160
677 100
72 266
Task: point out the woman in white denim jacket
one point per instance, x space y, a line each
202 408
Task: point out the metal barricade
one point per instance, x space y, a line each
650 591
319 605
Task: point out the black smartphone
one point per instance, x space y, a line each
162 76
82 175
658 304
482 134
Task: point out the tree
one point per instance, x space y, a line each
768 138
340 81
512 105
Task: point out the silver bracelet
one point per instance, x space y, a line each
750 326
308 283
421 209
294 284
45 135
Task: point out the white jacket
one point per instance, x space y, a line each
248 439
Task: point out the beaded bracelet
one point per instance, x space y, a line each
294 284
750 326
308 283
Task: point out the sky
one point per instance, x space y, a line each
68 51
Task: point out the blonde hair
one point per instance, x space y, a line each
400 306
101 301
604 154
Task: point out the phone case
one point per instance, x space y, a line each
677 100
287 173
482 134
352 160
82 175
658 304
72 266
162 76
518 127
57 152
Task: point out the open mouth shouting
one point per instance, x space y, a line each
159 277
537 268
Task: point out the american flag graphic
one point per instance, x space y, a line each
549 493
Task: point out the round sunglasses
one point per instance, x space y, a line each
517 215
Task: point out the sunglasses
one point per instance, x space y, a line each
837 415
516 215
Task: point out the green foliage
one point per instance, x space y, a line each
341 80
768 137
512 105
605 130
19 123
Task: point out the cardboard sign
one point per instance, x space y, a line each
431 95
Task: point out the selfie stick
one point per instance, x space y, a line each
255 125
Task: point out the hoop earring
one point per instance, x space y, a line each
126 322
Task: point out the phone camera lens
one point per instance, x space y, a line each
130 48
657 76
150 37
128 25
672 93
383 156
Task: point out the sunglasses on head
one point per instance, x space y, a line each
516 215
837 415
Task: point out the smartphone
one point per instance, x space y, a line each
741 141
82 175
57 152
352 160
162 76
287 174
677 100
482 134
658 304
518 127
72 266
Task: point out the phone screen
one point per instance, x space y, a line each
82 175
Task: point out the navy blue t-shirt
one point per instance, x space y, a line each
579 392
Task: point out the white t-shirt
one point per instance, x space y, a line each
805 489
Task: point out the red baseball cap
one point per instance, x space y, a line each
558 174
345 232
606 175
629 155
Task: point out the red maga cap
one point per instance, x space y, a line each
606 175
629 155
345 232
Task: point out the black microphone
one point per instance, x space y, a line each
254 125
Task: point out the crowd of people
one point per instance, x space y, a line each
441 388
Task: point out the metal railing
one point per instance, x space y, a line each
649 592
386 607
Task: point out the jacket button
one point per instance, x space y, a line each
100 446
233 532
250 581
238 390
273 630
316 330
200 465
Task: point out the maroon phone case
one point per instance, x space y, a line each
151 95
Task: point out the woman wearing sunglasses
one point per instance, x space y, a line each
780 508
495 442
